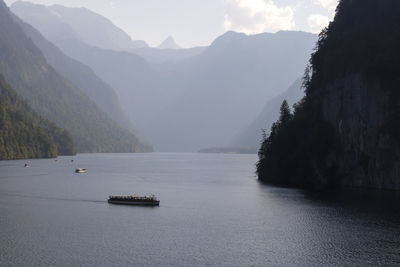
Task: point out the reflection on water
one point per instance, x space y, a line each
212 212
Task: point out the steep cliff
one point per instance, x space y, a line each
346 131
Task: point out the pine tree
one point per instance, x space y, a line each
285 113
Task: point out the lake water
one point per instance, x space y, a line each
213 212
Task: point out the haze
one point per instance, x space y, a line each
198 23
179 99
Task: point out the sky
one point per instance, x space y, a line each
199 22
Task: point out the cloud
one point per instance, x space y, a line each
328 4
112 4
317 22
256 16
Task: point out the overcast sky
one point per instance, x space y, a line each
199 22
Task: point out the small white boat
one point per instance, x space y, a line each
27 165
80 170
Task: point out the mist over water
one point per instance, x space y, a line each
213 211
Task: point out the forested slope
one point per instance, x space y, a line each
81 75
56 98
346 131
23 134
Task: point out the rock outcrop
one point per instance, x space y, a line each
346 131
367 153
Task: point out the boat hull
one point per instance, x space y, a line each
134 203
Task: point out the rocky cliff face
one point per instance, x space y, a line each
366 154
346 131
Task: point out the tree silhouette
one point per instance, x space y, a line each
285 113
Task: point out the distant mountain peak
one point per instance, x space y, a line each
169 43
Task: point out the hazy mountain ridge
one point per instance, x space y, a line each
82 76
54 24
80 23
23 134
346 130
252 136
205 94
226 86
136 81
54 97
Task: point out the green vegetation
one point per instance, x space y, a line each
54 97
81 75
304 148
23 134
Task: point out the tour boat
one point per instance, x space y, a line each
134 200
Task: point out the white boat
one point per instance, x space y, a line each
80 170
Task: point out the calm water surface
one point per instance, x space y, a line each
212 212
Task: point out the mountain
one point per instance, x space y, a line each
243 72
143 87
226 86
251 136
54 97
169 43
81 75
58 24
76 23
139 85
135 80
200 97
23 134
346 130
